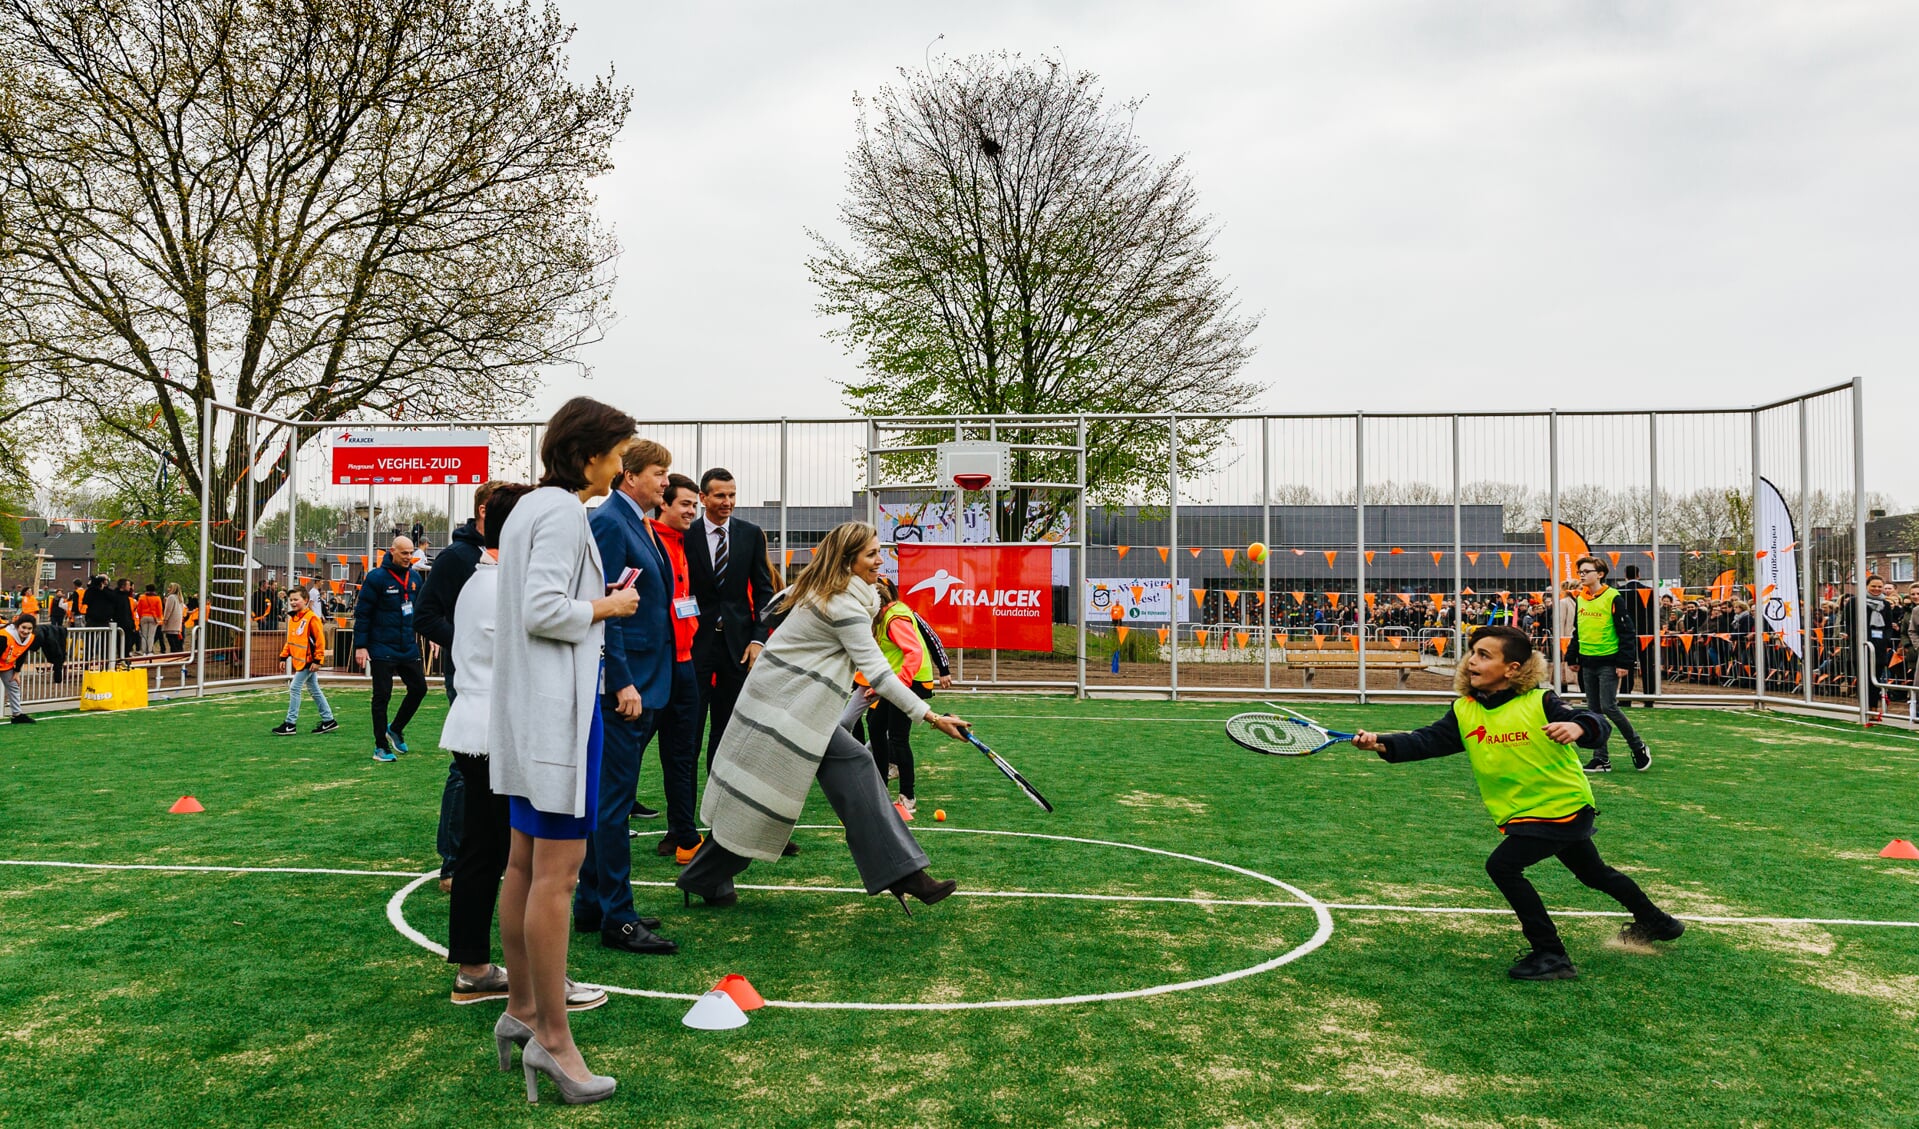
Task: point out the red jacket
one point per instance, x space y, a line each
683 629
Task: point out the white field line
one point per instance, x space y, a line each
1837 729
1350 907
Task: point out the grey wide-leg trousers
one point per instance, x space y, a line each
883 849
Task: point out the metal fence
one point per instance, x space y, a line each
1389 536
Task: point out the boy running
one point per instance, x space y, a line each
1519 738
305 650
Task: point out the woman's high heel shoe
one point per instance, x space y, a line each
922 886
596 1088
507 1034
731 897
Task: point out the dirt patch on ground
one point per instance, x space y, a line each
1366 1059
1153 800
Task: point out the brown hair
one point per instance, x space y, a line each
500 507
1512 641
1596 563
581 431
676 483
643 453
484 492
831 569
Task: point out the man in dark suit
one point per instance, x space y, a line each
733 582
1639 601
638 681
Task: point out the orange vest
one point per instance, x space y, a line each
306 640
30 605
14 650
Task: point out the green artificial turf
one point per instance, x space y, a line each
142 998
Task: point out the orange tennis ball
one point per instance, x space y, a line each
939 814
1256 552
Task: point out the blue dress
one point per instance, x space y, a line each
529 820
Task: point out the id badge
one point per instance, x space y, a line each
406 608
686 607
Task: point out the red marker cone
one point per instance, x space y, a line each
742 991
185 804
1900 849
901 808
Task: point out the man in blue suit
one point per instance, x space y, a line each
638 684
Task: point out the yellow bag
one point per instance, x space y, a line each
113 690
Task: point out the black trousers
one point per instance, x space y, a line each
415 679
892 740
1507 868
477 869
719 679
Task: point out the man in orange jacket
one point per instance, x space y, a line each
305 651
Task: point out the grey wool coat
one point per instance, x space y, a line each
786 715
546 653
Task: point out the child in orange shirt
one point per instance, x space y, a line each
305 650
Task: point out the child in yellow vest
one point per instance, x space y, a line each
1520 740
1603 650
911 657
305 651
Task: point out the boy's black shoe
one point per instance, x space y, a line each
1642 933
1543 966
326 727
285 729
22 719
1642 758
1603 764
641 811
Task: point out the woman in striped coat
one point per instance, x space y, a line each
785 733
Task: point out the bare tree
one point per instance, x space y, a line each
308 207
1013 248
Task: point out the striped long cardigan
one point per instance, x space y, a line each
786 715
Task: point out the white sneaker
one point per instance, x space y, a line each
912 808
581 997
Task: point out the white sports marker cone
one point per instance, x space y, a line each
715 1011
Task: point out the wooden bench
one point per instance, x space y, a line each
160 663
1342 656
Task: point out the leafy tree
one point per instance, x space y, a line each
1014 248
146 524
312 208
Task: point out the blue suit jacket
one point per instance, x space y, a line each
639 649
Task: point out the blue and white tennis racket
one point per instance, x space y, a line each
1287 733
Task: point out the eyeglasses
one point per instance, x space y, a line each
1589 572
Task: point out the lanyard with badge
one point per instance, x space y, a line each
406 591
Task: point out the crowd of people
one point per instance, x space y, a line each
571 638
143 623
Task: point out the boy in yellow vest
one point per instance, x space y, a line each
305 651
1520 740
1604 649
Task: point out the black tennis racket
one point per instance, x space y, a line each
1012 773
1284 734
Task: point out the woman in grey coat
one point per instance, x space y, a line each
543 730
785 733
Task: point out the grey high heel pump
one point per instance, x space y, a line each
507 1034
596 1088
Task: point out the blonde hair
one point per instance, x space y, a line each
889 595
830 571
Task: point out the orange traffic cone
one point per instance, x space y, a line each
1900 849
185 804
742 991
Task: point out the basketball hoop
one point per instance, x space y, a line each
973 464
972 481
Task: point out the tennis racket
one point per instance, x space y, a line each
1284 734
1012 773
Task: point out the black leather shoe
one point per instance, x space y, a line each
730 898
635 937
789 850
665 849
641 811
580 927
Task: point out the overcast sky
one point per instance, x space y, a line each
1433 206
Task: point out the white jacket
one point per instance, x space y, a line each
473 614
546 653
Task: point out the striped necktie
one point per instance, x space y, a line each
719 554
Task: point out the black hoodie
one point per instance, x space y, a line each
433 613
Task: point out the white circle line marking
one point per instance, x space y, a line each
1324 930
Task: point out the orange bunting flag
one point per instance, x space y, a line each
1199 594
1162 635
1760 555
1505 560
1369 556
340 621
1352 642
1330 555
1122 550
1695 554
1467 592
1439 644
1139 592
1299 552
1240 637
1436 555
1645 641
313 558
1563 644
1370 598
1686 642
1162 554
1394 552
1201 636
1196 551
1262 599
1544 558
1615 559
364 566
1645 595
789 558
1438 598
1319 642
1232 597
1228 554
1649 555
1333 598
1299 597
1122 632
1472 558
337 586
342 559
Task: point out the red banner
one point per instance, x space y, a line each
411 458
993 596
